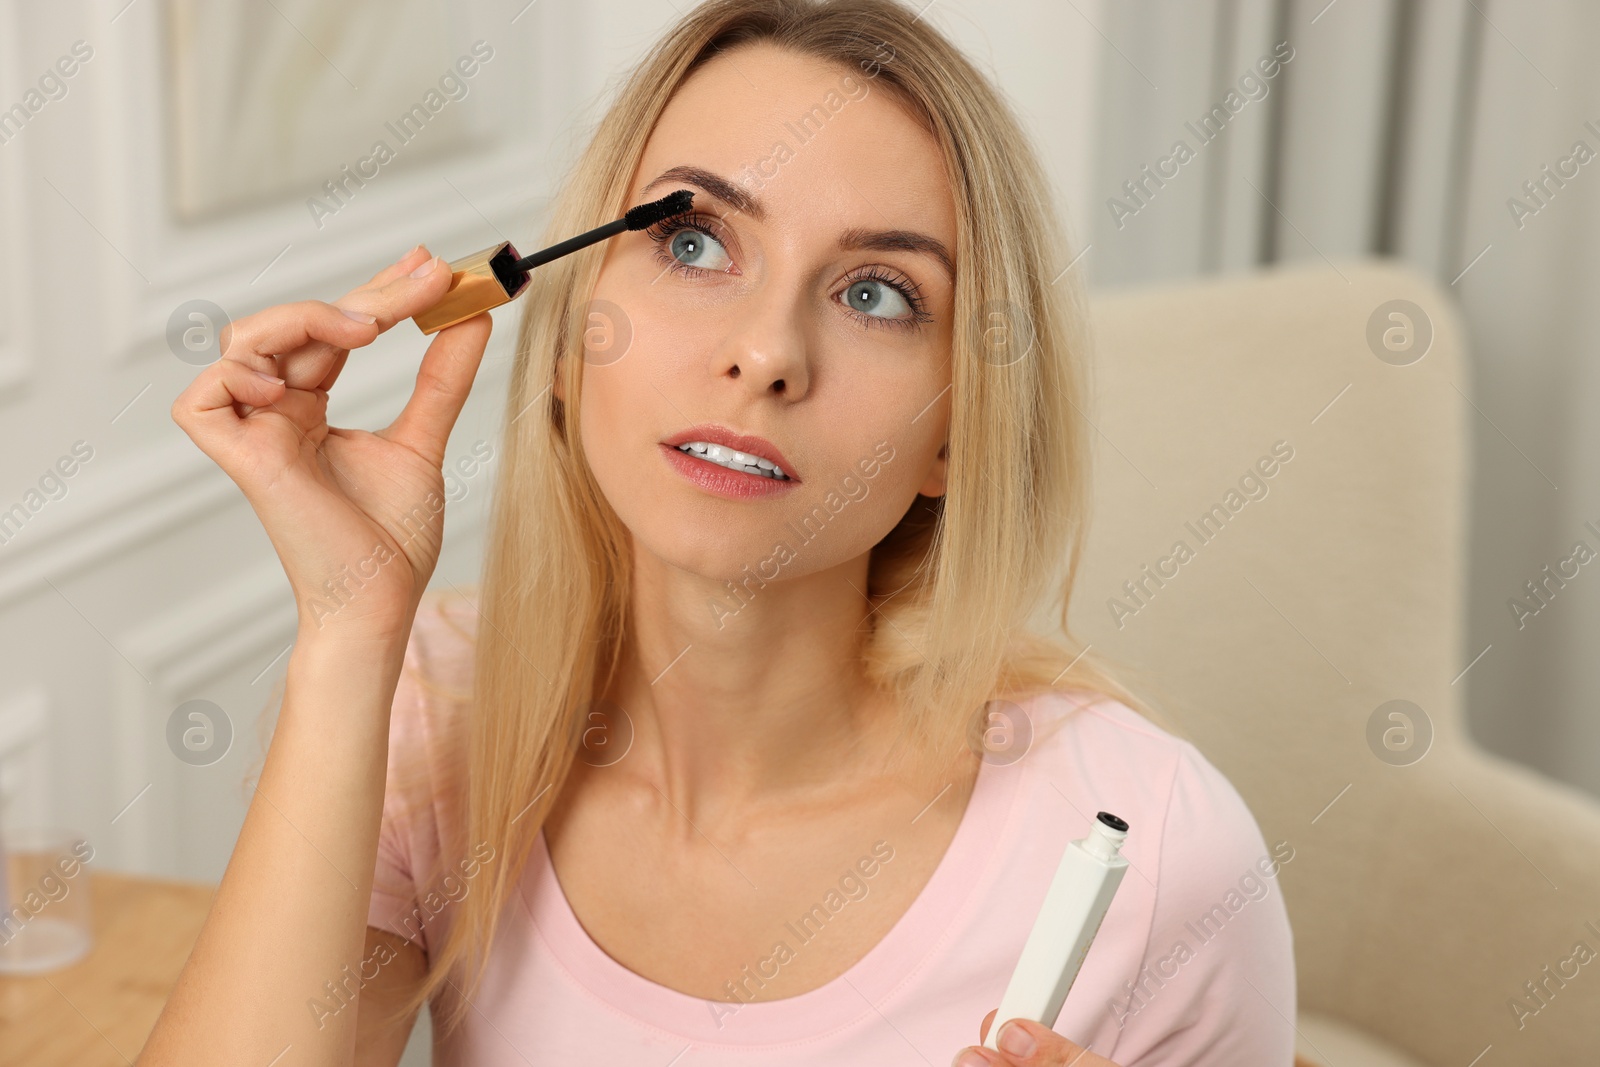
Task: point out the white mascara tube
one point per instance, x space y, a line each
1081 891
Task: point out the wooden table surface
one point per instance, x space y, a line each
101 1009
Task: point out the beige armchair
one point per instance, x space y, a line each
1423 896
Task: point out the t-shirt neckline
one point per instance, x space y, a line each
845 1000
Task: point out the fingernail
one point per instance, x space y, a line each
427 268
409 253
1015 1041
268 377
968 1058
360 316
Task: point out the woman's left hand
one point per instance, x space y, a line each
1026 1044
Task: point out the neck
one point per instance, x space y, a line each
736 703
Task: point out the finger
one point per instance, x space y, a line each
292 332
404 295
332 376
307 409
317 353
1025 1043
402 266
443 381
205 410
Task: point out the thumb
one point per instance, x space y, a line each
1026 1043
443 381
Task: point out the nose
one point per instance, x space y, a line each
767 353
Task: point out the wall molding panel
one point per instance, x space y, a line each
26 796
112 508
274 251
16 362
226 644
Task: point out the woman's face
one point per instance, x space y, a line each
806 301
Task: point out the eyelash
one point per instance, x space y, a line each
663 231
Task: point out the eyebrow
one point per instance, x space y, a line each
854 239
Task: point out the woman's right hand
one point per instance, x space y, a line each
355 517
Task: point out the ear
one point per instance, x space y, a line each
935 484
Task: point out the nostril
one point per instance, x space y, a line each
777 386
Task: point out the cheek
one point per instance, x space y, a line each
626 390
621 420
607 399
865 494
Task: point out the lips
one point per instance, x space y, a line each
749 445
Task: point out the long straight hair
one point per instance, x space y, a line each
956 581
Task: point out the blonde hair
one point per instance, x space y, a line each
966 570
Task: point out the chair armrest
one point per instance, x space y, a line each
1476 875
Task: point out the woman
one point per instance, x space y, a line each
744 752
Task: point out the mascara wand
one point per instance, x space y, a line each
497 275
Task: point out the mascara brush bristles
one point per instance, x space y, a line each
637 218
646 215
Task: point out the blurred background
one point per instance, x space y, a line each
166 164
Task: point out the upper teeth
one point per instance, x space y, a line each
727 457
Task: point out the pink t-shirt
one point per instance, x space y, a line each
1193 965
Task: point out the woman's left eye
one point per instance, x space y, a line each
882 297
876 298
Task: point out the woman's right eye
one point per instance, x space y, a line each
689 247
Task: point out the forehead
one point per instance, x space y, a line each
821 145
